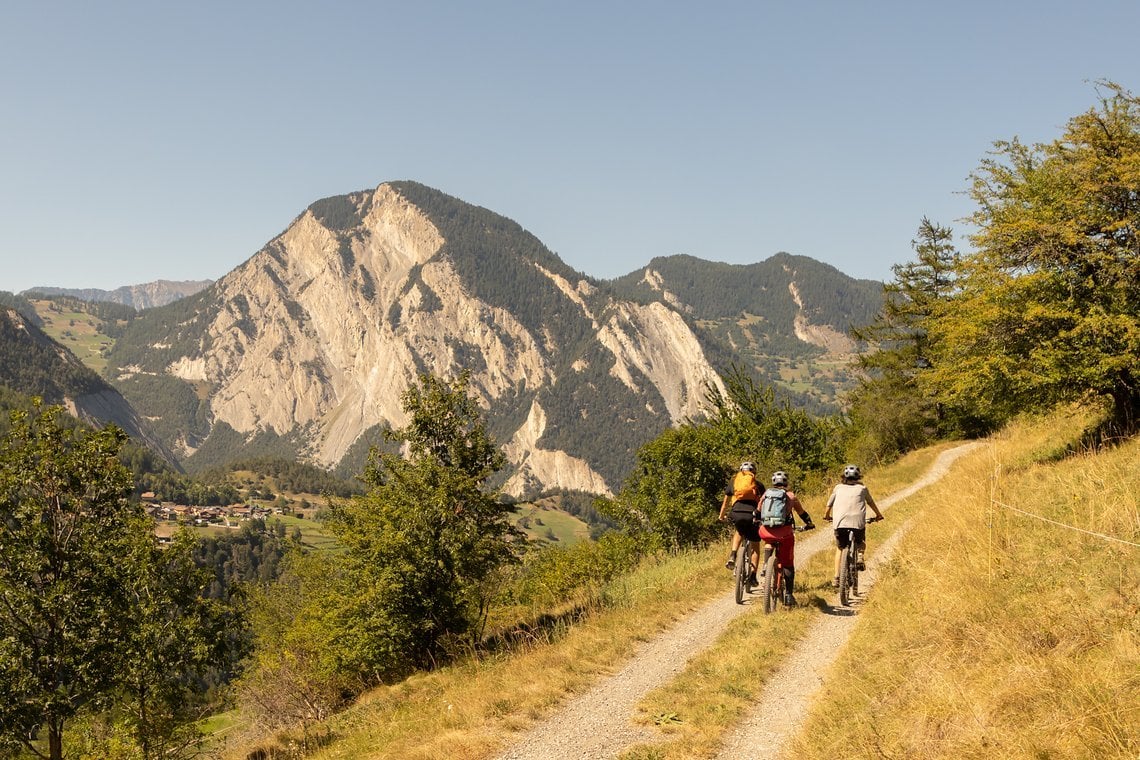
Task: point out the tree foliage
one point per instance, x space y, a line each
1048 309
64 522
94 616
416 574
890 412
671 499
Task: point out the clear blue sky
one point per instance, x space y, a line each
149 140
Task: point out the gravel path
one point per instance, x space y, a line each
597 723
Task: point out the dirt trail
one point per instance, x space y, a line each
597 723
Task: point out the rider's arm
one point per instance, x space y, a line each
830 503
795 502
724 506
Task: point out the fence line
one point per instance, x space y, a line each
1063 525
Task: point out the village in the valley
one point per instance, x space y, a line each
169 516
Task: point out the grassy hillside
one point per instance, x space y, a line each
1028 633
71 325
993 634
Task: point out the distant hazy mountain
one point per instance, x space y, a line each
32 364
144 296
305 349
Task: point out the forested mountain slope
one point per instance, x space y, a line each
32 364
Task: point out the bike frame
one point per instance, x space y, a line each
744 569
848 569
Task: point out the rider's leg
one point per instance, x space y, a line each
789 584
731 563
861 546
786 555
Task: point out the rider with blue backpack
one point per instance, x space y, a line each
778 526
764 518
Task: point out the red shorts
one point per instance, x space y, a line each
786 536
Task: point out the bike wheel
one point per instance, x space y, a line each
845 574
854 572
741 571
771 585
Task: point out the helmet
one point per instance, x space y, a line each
780 478
851 472
747 467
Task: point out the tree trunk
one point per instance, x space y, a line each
1126 405
55 739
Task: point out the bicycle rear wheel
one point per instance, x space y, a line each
845 567
741 572
771 586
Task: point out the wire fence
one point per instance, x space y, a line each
1063 525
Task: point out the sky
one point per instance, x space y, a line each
143 141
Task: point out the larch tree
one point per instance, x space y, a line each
1049 309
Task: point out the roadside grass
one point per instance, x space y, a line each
719 686
996 634
472 708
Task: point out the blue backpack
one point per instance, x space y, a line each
773 510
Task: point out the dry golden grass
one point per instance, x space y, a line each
996 634
991 634
471 709
719 686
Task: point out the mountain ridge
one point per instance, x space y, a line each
305 348
141 296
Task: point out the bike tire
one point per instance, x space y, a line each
844 575
771 585
741 571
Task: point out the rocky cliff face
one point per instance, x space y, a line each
317 336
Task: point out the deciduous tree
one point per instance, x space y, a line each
1049 310
65 524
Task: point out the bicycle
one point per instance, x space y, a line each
744 570
772 587
849 567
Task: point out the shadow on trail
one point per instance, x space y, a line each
836 610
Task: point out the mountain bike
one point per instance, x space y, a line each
849 567
743 570
772 586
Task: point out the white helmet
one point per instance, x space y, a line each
747 467
851 472
780 478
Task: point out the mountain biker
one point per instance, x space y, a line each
784 534
742 494
847 506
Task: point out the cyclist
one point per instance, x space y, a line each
847 507
782 530
743 495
